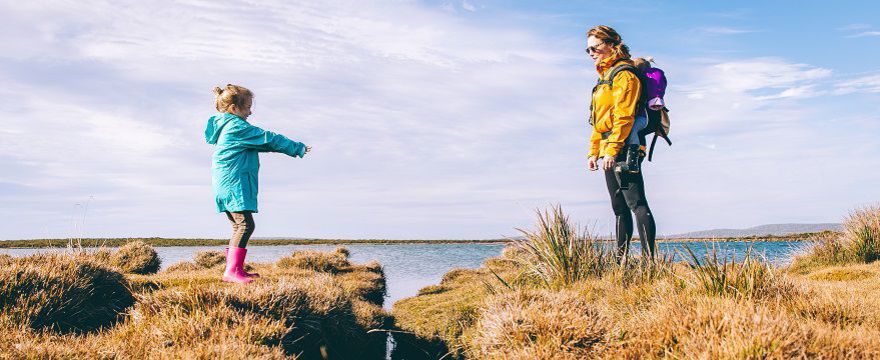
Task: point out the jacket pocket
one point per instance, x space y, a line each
252 186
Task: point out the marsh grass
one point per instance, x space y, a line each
210 258
330 262
64 293
859 242
136 257
61 306
719 274
707 307
558 254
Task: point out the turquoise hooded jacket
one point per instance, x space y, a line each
236 160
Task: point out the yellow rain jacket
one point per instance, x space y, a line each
613 108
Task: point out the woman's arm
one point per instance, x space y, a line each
625 94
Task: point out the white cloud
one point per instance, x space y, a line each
855 27
468 6
869 84
760 73
865 33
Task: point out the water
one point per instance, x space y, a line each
410 267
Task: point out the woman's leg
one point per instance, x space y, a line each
638 203
623 223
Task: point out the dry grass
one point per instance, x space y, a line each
858 243
209 259
537 324
331 262
559 254
707 308
136 258
61 293
782 316
753 277
290 312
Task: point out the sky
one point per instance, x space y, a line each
428 119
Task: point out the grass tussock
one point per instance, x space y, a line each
329 262
753 277
558 254
859 242
708 307
182 266
537 324
63 293
209 259
136 257
288 313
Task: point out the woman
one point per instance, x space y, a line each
613 113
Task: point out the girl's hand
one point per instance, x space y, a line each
593 163
608 162
308 148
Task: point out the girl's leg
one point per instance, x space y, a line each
242 228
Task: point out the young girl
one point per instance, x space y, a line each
234 169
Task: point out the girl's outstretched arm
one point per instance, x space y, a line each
266 141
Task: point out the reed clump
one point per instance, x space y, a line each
559 254
136 257
64 293
752 277
859 242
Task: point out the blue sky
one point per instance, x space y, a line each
437 119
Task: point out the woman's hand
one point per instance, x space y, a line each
608 162
593 163
308 148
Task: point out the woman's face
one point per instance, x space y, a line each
597 49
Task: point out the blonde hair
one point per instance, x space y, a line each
609 36
230 95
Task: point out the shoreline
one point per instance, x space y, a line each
169 242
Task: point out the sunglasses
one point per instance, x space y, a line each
594 48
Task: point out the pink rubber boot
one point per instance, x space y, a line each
250 275
235 266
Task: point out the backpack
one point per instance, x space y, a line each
653 82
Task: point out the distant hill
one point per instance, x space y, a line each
769 229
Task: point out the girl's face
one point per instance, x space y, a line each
597 49
244 111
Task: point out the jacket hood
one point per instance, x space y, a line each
215 126
606 64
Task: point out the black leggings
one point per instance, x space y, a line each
631 199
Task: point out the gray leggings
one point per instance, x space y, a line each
242 228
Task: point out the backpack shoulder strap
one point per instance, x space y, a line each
616 70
